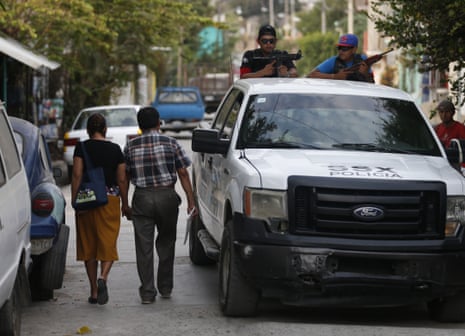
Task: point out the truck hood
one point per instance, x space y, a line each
275 165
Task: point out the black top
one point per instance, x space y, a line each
104 154
250 63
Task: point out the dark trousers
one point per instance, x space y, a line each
155 208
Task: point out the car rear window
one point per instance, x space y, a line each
177 97
115 117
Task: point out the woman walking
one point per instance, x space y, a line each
97 229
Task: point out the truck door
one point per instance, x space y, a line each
214 175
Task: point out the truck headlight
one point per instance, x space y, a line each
455 216
268 205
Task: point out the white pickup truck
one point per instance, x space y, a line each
328 193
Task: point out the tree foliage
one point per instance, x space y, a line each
428 29
99 42
315 46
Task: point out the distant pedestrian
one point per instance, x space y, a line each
153 164
97 229
448 128
335 66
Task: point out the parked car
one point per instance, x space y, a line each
15 224
328 193
49 233
180 108
121 125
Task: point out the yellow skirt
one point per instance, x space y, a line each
97 231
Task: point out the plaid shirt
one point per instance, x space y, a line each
153 159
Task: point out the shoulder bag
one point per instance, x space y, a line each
92 192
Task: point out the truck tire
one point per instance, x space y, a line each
10 313
196 250
237 297
448 309
54 261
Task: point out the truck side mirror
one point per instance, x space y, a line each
209 141
455 153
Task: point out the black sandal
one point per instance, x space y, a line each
102 292
92 300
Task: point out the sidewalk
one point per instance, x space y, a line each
194 295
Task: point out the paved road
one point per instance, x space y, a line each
193 309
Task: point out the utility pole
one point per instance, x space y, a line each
271 5
179 67
350 16
323 16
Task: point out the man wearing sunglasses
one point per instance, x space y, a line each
254 62
336 67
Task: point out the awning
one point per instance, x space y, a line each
16 50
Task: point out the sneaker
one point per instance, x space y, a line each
148 301
165 295
102 292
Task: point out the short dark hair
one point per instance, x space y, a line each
446 106
96 123
148 117
266 30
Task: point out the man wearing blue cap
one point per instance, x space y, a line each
334 67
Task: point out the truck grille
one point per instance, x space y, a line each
371 209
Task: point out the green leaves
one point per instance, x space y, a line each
431 28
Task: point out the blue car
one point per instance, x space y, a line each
180 108
49 233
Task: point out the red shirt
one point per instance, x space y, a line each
446 133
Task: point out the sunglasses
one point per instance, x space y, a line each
344 48
266 41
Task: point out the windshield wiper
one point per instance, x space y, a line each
370 147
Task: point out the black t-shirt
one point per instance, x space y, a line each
251 61
104 154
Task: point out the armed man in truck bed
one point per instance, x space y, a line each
342 65
266 61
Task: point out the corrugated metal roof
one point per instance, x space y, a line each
16 50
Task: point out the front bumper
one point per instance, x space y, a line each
298 273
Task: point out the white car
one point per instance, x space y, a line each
328 193
121 125
15 226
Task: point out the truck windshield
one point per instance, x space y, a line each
335 122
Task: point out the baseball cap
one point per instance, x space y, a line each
266 30
348 40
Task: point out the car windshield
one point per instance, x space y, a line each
177 97
115 117
340 122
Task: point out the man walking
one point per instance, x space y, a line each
153 164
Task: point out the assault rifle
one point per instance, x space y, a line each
369 61
280 57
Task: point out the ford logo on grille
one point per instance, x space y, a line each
368 213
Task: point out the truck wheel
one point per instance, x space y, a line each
196 251
448 309
10 313
54 261
236 296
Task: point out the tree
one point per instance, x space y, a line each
315 46
429 29
98 42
